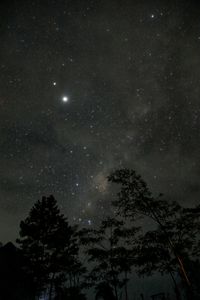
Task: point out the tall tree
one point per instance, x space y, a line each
155 251
50 245
110 255
154 255
135 199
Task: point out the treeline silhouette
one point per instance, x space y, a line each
145 234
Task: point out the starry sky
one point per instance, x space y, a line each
90 86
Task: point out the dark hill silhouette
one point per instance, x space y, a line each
14 283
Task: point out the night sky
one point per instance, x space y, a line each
87 87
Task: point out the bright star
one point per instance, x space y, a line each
65 99
54 83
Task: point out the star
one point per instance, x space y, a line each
65 99
89 222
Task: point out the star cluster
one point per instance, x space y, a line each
90 86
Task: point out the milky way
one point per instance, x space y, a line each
91 86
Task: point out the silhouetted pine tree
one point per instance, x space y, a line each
50 245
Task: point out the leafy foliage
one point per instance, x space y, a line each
107 248
170 245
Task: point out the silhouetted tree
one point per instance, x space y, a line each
193 268
189 224
155 251
71 287
154 255
15 284
104 291
108 251
135 199
50 245
70 294
186 229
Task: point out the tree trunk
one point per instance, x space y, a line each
179 259
126 288
51 287
176 289
116 294
142 296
